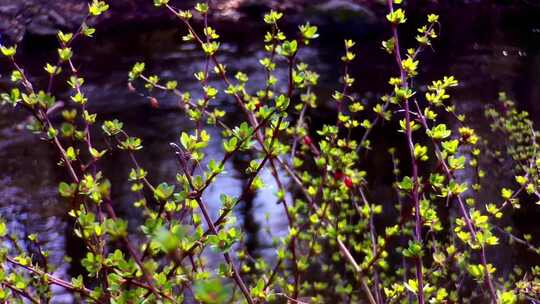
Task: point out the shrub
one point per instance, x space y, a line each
337 245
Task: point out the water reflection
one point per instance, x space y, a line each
492 55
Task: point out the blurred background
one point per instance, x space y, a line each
489 46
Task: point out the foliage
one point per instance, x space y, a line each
337 247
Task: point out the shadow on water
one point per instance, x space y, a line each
489 48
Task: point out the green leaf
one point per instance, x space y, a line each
210 48
406 184
65 37
164 191
211 291
131 144
230 145
88 31
282 102
450 146
65 54
97 7
8 51
272 17
411 285
397 16
3 228
201 7
420 152
439 132
52 69
414 250
159 3
506 193
508 297
308 31
288 48
169 240
136 70
112 127
185 140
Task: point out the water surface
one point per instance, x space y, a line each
489 48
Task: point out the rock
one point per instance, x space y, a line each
39 17
43 17
344 6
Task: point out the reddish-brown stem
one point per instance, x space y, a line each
463 209
414 164
53 280
236 275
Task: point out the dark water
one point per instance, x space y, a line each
489 48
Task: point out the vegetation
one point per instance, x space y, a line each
337 246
